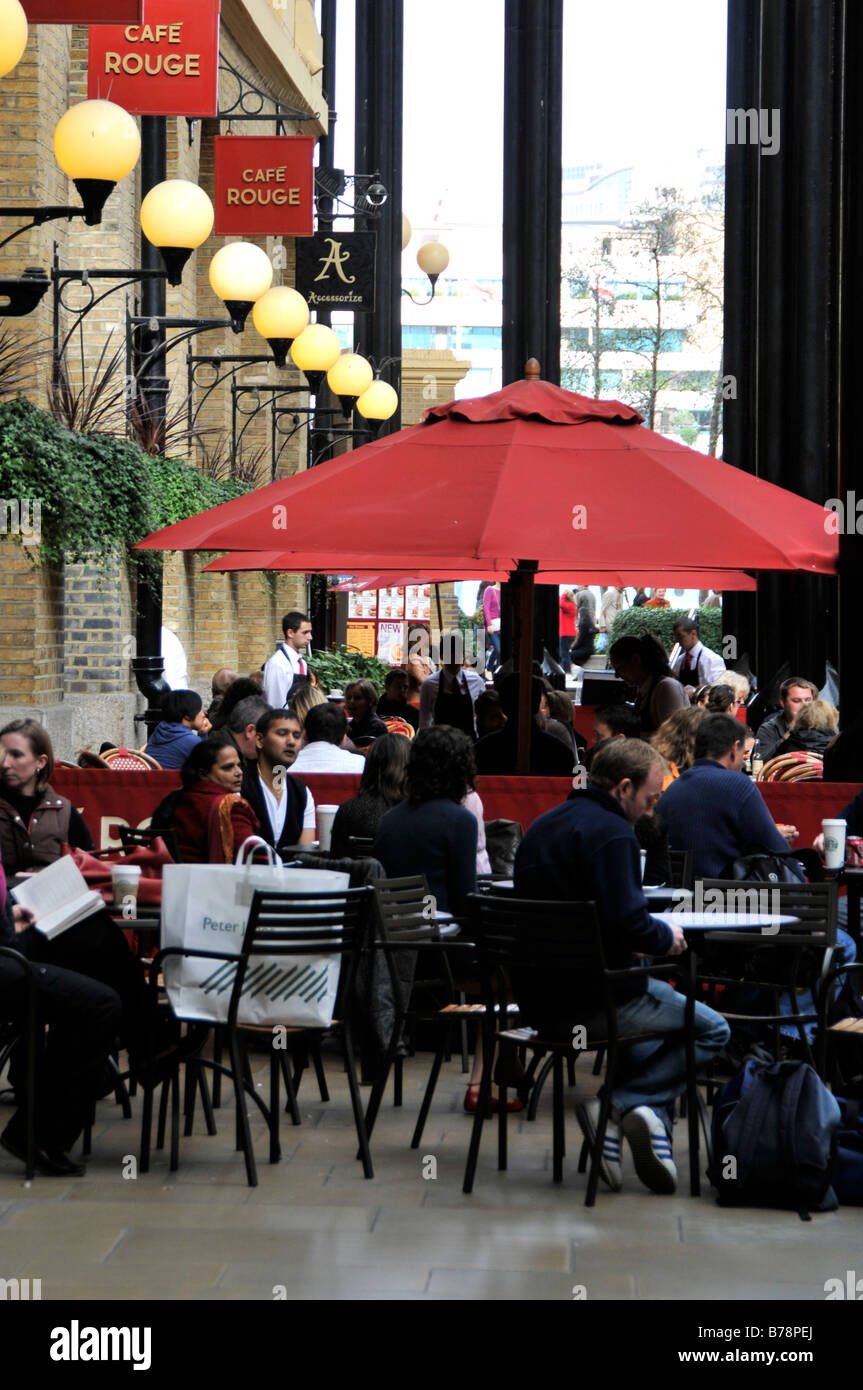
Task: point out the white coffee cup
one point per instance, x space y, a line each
326 816
643 854
124 882
834 843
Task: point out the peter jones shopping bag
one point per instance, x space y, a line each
206 907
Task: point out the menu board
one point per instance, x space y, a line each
362 604
362 637
379 618
392 642
391 604
418 603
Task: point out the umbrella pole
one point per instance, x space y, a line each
439 610
523 579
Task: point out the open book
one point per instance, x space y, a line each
58 896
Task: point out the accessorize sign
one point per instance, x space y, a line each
83 11
336 270
264 185
166 66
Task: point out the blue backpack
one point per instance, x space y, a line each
774 1139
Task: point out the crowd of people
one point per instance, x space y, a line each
665 772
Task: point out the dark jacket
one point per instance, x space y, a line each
585 639
770 734
497 754
296 792
171 744
435 838
585 851
398 709
361 730
33 830
805 741
719 814
360 817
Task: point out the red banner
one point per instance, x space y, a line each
264 185
167 66
83 11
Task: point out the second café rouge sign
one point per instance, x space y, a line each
83 11
264 185
166 66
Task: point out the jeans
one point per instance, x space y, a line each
494 639
565 658
654 1073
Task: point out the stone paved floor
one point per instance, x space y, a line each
317 1227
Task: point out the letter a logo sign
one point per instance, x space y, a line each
337 259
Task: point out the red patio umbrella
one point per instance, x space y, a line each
531 479
244 560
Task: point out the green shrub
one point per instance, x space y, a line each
98 493
632 622
336 669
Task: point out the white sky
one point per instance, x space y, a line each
644 83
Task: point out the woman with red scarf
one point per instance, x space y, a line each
210 818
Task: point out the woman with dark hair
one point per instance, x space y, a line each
643 663
29 840
382 786
432 833
210 818
720 698
240 689
361 702
178 732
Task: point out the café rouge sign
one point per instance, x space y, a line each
166 66
264 185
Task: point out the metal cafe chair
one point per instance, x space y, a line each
280 924
522 946
796 956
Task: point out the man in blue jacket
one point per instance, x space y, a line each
586 850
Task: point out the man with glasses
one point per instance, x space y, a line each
585 850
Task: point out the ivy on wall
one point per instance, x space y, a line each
98 494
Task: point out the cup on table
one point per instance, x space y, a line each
643 854
326 816
125 879
834 843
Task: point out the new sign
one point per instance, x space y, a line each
264 185
166 66
83 11
336 270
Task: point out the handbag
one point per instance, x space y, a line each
764 867
206 907
96 870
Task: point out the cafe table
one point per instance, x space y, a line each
693 923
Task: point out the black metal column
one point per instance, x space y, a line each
783 285
532 136
148 665
378 146
532 119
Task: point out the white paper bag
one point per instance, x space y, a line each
206 907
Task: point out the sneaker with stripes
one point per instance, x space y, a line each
651 1149
610 1168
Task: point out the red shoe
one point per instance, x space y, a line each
471 1101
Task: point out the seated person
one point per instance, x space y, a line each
793 693
488 710
27 840
72 1068
720 699
431 833
241 727
675 739
325 727
584 850
283 805
241 688
382 786
559 712
222 679
209 817
182 722
304 700
361 700
813 729
394 701
497 754
612 721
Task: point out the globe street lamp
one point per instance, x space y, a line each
280 316
96 144
378 403
177 217
13 35
314 352
348 378
240 274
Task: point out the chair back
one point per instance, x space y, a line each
793 767
361 846
145 839
304 924
128 760
682 863
404 908
813 903
538 950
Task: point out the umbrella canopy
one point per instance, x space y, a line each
531 472
385 579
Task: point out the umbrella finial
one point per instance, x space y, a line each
531 369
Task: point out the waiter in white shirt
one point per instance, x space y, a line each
286 671
696 665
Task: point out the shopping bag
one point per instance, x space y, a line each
206 907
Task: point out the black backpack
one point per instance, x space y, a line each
774 1139
763 867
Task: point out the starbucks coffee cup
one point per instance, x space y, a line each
125 879
834 843
326 816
